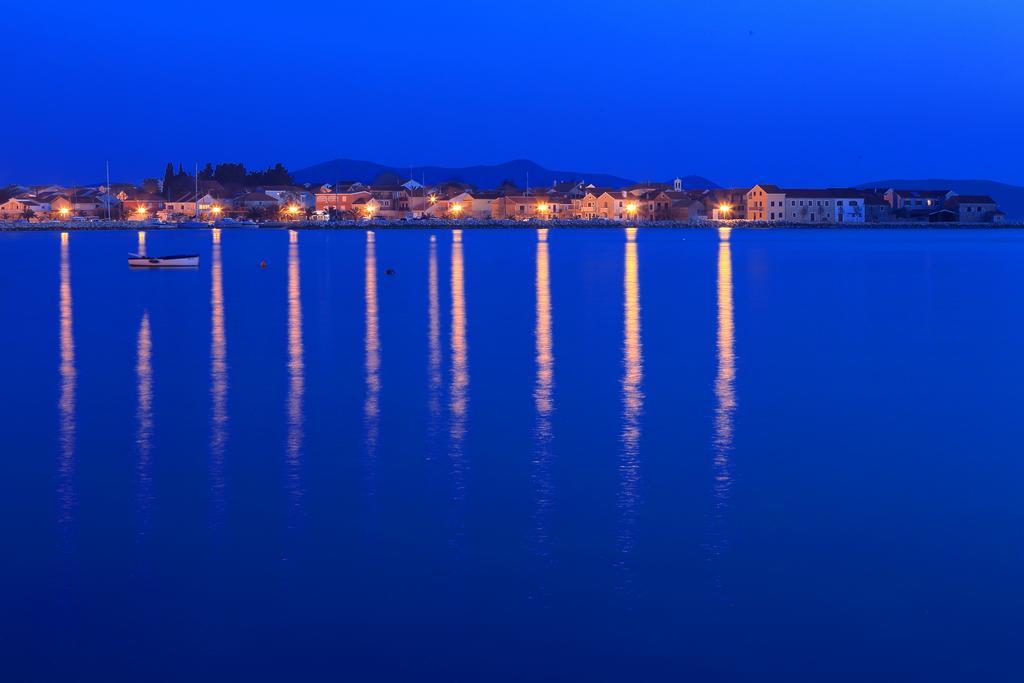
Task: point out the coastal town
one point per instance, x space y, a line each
230 197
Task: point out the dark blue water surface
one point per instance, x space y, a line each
581 455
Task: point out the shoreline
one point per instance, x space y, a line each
105 226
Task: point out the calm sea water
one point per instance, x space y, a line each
588 455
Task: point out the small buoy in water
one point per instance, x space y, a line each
389 271
263 264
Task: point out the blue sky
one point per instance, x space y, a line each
796 92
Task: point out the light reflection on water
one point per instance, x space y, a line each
632 394
725 389
68 381
218 381
144 419
574 448
372 351
296 376
458 400
433 340
542 393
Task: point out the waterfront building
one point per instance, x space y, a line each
924 201
876 208
17 208
477 204
585 206
765 203
686 206
341 202
518 207
185 205
721 203
974 209
138 205
391 201
832 205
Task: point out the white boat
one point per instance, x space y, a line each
178 261
234 223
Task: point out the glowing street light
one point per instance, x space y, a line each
64 211
370 208
724 208
456 209
293 210
216 210
141 210
543 209
631 209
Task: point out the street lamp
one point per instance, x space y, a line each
64 211
293 210
724 209
543 209
456 209
141 210
631 209
216 210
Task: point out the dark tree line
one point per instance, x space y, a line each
180 182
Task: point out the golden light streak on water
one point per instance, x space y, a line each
433 337
371 406
725 380
218 380
68 384
544 352
144 418
458 399
543 390
142 243
296 376
632 393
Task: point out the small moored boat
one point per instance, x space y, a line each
177 261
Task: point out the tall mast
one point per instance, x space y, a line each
108 190
197 190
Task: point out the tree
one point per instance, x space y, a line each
151 185
27 214
207 172
229 174
181 183
275 175
168 180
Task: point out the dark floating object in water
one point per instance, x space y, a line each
263 264
389 271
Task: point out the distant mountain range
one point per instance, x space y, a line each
484 177
1009 197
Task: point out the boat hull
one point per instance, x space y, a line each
183 261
